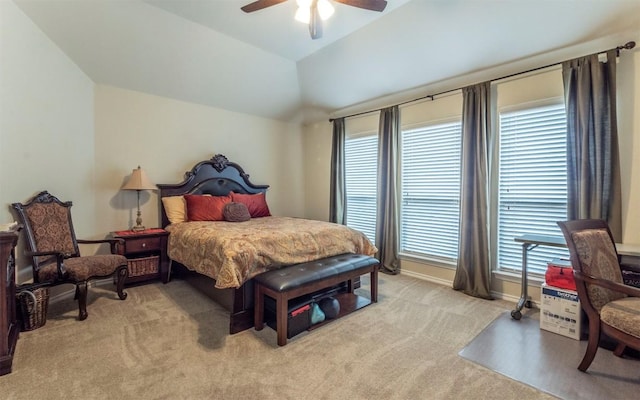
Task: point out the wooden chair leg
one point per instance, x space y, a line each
122 273
81 292
619 349
592 346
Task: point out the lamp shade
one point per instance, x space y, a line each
139 181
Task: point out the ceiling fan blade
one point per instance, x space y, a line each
260 4
373 5
315 24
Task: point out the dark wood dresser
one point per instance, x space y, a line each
9 328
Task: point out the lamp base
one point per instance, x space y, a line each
138 228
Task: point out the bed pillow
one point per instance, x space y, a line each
205 208
176 208
236 212
256 203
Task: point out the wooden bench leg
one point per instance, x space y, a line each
282 303
374 284
350 285
258 307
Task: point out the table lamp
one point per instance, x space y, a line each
139 181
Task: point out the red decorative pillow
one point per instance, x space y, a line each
256 203
205 208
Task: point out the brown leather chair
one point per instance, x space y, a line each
612 307
53 247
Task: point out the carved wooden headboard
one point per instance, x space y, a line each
217 177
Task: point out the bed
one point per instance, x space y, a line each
222 257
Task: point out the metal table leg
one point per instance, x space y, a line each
525 300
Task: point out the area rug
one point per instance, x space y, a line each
548 361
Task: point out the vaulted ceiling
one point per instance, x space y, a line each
264 63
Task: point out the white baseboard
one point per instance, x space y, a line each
446 282
68 294
428 278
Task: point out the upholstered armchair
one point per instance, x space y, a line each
612 307
54 250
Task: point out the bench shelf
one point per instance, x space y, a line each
289 283
349 302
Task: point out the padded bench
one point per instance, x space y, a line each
298 280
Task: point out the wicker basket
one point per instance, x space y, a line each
143 266
32 307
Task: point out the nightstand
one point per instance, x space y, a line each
147 254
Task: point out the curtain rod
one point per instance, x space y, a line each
627 46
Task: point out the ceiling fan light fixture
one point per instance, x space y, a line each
303 13
325 9
313 12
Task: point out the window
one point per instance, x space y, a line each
430 207
361 154
532 183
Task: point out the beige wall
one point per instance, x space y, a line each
46 123
62 133
542 85
168 137
629 136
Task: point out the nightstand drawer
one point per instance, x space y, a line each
140 245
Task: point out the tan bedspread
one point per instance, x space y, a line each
233 252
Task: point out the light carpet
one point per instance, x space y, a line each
172 342
548 361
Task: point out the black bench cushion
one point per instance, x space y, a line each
294 276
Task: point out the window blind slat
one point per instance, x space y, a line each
361 155
532 193
431 190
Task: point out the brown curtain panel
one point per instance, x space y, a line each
473 271
338 190
593 165
387 221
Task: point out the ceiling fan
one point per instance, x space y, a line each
314 12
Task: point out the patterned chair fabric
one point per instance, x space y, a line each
80 269
598 257
52 229
49 229
624 315
612 307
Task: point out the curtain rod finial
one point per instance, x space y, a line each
627 46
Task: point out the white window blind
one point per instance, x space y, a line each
532 183
430 212
361 155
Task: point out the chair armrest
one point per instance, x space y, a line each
114 243
58 254
60 257
616 287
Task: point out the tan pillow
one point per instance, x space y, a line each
176 208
